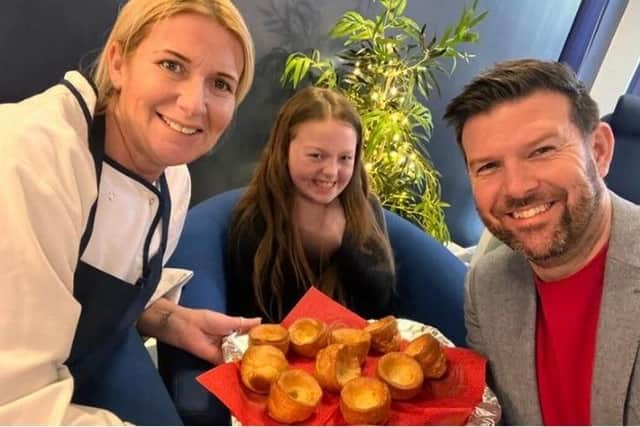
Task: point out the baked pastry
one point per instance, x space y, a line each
358 341
335 365
308 336
270 333
365 401
261 365
428 352
385 337
293 397
402 373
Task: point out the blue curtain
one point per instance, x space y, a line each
590 36
634 86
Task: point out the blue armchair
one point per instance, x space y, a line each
430 290
623 178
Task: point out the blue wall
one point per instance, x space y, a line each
40 39
513 29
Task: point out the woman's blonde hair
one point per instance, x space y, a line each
134 23
270 198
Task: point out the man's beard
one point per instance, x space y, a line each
574 222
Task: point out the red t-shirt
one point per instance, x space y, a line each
566 324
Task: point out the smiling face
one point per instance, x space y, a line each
176 94
536 182
321 159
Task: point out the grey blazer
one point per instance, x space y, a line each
500 315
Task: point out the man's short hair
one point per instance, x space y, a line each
512 80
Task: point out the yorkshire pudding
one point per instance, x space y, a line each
428 352
365 401
293 397
402 373
270 333
335 365
385 337
261 365
358 341
308 336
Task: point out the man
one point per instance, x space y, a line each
556 309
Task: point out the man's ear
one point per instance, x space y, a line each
602 145
116 64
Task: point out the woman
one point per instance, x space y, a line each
307 217
96 190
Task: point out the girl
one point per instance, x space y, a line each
307 217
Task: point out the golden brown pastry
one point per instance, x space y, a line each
293 396
335 365
358 341
402 373
308 336
429 353
260 366
385 337
270 333
365 401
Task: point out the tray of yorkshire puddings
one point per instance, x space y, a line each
334 368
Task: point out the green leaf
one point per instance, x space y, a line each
400 7
351 23
327 78
475 21
410 26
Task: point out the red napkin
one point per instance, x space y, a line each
447 401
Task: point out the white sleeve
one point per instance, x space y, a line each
47 188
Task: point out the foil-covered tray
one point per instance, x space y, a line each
486 413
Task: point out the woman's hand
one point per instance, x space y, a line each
321 227
197 331
200 332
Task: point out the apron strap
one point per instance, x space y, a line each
95 136
96 146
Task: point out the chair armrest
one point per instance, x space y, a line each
201 248
430 280
128 384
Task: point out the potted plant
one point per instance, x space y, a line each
387 68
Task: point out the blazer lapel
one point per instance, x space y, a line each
618 333
526 354
519 341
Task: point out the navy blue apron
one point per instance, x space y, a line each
109 363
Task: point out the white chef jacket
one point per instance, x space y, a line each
47 188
